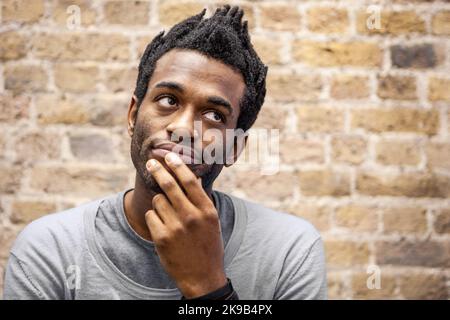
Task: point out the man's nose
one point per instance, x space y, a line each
182 127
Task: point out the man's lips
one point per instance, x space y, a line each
187 154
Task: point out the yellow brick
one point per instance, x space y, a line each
401 22
397 152
320 119
25 211
337 54
349 148
438 155
268 49
357 218
396 119
63 17
22 10
293 87
172 12
280 17
326 182
327 20
441 22
397 87
349 87
127 12
76 78
12 45
340 253
405 220
438 89
28 78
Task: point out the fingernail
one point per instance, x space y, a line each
152 163
173 158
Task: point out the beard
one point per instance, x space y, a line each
140 150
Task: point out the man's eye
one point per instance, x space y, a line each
167 102
214 116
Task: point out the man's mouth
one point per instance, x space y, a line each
188 155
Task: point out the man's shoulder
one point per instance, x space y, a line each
55 230
276 224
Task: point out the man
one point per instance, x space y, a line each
172 236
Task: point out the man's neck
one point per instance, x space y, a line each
137 202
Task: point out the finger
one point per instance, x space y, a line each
163 208
169 185
188 180
154 224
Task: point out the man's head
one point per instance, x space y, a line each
204 71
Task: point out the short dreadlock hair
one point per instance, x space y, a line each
223 36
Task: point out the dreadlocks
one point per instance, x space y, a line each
223 36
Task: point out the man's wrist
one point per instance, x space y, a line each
225 292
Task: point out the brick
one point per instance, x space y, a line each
92 147
406 184
442 221
13 46
26 78
127 12
349 87
319 119
426 253
361 290
396 119
72 78
397 152
397 87
294 150
79 46
341 253
25 211
358 218
326 182
22 10
337 54
37 145
438 89
120 80
318 215
172 12
294 87
10 178
268 49
255 186
78 180
348 148
13 108
271 116
336 286
416 56
405 220
328 20
108 111
7 237
53 109
438 155
396 23
279 17
441 22
65 17
420 286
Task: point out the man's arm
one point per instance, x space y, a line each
185 227
19 284
304 279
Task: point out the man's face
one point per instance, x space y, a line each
189 97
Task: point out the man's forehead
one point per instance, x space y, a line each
181 64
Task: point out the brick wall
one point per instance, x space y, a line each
362 106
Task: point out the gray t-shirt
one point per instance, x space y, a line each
90 252
122 244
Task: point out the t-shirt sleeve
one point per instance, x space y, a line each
19 284
303 278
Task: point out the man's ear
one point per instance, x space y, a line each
238 147
132 115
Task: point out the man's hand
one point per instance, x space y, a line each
185 229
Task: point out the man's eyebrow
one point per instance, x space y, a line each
170 85
221 102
